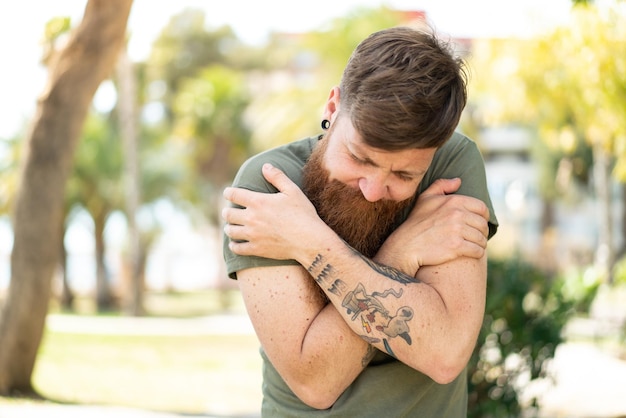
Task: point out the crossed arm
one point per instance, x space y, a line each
421 299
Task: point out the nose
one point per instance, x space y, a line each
373 188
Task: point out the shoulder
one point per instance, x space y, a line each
458 157
461 157
459 146
290 158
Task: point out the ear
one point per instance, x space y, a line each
331 108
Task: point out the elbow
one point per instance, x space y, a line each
446 370
444 375
315 396
318 402
448 361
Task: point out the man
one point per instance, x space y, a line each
360 254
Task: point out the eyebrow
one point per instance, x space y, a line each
369 161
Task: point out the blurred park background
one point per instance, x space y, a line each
112 285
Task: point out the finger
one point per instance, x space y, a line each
469 204
235 232
473 250
477 222
278 178
239 248
226 214
475 237
233 195
443 186
477 206
234 215
240 197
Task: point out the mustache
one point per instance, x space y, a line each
364 225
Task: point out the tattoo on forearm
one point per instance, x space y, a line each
324 274
315 264
390 272
337 288
374 316
368 308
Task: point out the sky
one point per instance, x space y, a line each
22 23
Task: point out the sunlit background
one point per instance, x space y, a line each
223 80
182 257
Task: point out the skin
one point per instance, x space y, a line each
421 299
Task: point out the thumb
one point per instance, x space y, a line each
277 177
443 186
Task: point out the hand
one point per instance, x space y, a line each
269 225
440 228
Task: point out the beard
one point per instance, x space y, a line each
362 224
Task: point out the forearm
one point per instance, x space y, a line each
423 322
333 355
310 346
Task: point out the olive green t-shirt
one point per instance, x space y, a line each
387 387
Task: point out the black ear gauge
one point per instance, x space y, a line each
325 124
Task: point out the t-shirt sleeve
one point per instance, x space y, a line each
250 177
460 157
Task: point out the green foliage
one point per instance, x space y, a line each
56 27
315 60
575 82
568 86
95 182
619 272
579 287
524 315
209 117
183 49
195 76
562 169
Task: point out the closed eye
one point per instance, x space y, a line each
359 160
404 176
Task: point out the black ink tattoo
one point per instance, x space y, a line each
326 273
388 292
390 272
338 288
387 271
315 264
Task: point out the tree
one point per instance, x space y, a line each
75 74
195 76
575 83
184 47
567 87
127 111
95 185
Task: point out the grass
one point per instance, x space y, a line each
169 304
192 374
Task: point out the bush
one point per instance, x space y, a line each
524 315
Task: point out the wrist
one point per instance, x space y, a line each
322 240
393 256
